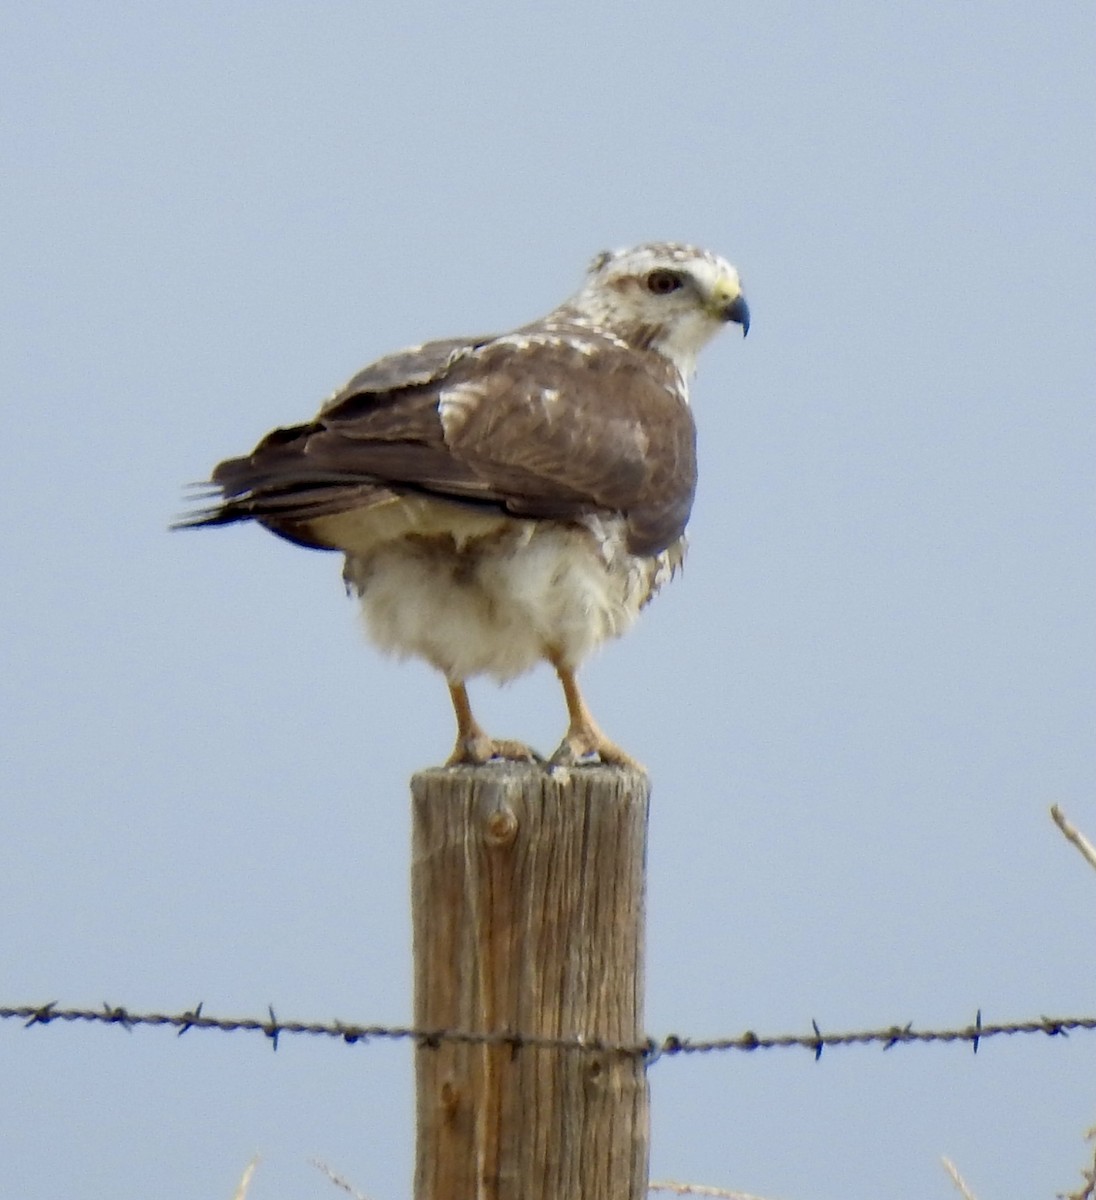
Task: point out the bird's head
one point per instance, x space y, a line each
663 296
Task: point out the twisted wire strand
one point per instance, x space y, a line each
651 1049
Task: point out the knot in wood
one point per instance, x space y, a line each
501 826
450 1098
594 1069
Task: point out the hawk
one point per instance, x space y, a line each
506 500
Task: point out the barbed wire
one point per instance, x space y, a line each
651 1049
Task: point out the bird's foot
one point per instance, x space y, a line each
583 739
583 744
474 747
477 749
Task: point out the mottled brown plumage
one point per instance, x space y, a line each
568 444
624 442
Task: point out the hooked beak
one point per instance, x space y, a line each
737 310
728 304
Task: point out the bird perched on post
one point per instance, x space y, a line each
506 500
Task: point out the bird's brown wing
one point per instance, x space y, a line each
553 427
577 426
411 367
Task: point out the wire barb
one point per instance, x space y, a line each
190 1019
41 1016
273 1029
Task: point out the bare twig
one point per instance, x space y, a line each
245 1179
697 1189
1089 1176
1074 835
958 1180
337 1180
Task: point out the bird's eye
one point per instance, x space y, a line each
662 282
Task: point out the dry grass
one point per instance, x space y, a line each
958 1180
698 1189
337 1180
1074 835
245 1180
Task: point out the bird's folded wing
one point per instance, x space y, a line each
537 428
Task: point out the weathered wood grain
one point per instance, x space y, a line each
528 895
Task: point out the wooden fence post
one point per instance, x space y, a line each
528 905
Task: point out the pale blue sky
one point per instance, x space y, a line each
877 673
